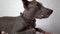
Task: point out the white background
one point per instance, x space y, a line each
51 24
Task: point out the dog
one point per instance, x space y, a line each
26 20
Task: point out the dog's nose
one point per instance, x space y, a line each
50 12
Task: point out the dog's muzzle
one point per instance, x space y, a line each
44 13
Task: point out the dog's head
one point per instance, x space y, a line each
36 9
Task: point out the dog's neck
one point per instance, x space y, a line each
28 21
29 17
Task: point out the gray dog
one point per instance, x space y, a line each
33 9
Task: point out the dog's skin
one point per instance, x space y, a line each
33 9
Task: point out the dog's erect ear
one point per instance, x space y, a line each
25 3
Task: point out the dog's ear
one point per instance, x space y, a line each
25 3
